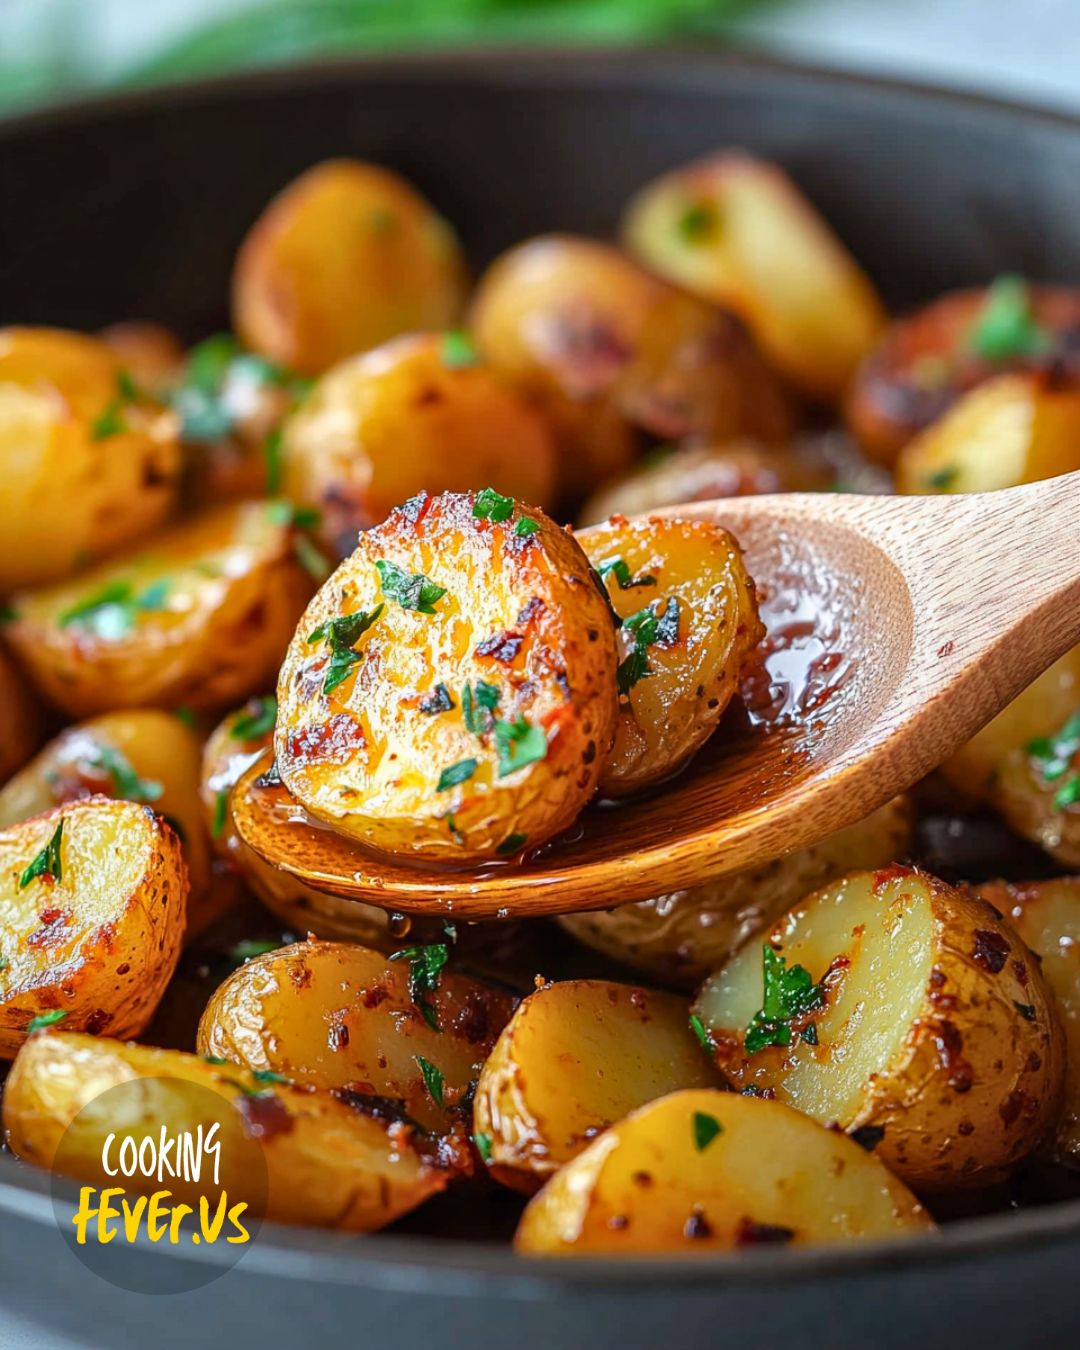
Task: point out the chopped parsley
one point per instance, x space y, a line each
48 862
942 478
341 635
247 948
433 1079
1054 756
1067 795
411 590
282 512
1005 328
787 995
457 350
697 1026
48 1019
257 720
478 703
526 526
455 774
697 221
438 701
452 829
215 368
110 422
221 811
483 1145
4 963
268 1075
649 628
425 967
705 1128
513 843
7 613
618 568
113 611
519 743
126 783
493 506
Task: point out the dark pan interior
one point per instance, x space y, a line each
133 207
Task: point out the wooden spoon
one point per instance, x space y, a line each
897 627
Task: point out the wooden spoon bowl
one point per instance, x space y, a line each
896 627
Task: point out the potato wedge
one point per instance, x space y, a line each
451 691
332 1161
1011 430
345 257
199 619
911 1036
20 718
690 622
1037 790
698 473
737 231
337 1015
681 937
92 900
927 361
141 755
88 464
704 1170
419 413
576 1056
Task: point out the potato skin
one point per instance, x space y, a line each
101 943
345 257
737 231
520 613
669 713
336 1015
960 1082
20 718
405 418
85 470
922 365
1010 430
765 1173
576 1056
330 1162
228 592
680 938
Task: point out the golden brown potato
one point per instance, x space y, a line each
451 689
700 1171
737 231
1040 711
345 257
92 899
1037 790
200 618
1046 914
889 1003
700 473
88 463
149 352
577 1056
689 623
20 719
926 361
340 1016
137 756
599 345
334 1161
419 413
681 937
1010 430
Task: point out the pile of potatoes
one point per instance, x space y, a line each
356 500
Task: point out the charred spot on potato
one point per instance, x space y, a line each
991 950
751 1233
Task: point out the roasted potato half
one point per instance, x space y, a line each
20 719
906 1012
141 755
451 689
200 618
92 900
577 1056
689 623
334 1161
599 345
704 1170
88 462
420 412
337 1015
927 361
681 937
699 473
737 231
345 257
150 353
1011 430
1037 790
1046 914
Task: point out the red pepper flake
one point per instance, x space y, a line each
337 1037
502 647
991 950
264 1115
950 1044
894 872
335 741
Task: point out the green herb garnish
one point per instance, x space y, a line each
457 350
483 1145
110 422
48 1019
787 995
411 590
112 611
697 1026
1005 328
259 722
493 506
1054 755
433 1079
455 774
618 568
221 811
649 628
48 862
452 829
341 635
526 526
942 478
438 701
705 1128
202 397
7 613
247 948
477 706
698 221
513 843
125 781
1068 794
519 743
425 967
268 1075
